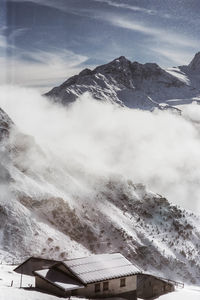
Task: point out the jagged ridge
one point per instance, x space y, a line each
135 85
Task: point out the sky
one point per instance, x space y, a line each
43 42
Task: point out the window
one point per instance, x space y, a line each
122 282
105 286
97 287
74 293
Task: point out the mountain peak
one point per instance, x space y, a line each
127 83
85 72
195 63
121 59
117 63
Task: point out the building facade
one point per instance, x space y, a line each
97 276
109 288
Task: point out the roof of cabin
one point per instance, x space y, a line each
34 263
59 279
100 267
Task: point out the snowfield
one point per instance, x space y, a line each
186 294
7 275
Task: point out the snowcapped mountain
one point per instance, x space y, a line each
135 85
112 214
60 202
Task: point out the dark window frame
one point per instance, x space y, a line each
97 287
105 285
122 282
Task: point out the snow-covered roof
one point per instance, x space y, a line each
101 267
34 263
59 279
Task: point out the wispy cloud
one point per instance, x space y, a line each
61 5
40 69
3 39
15 33
3 42
66 7
178 57
158 33
127 6
165 45
172 47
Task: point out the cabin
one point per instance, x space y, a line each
95 276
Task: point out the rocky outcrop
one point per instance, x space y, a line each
195 63
5 124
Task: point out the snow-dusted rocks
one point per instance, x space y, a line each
195 63
190 75
143 86
5 124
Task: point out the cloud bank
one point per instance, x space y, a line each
91 141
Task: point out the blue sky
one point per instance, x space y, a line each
43 42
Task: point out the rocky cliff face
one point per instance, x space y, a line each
5 124
195 63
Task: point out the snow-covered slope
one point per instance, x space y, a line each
190 75
132 84
57 215
20 228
